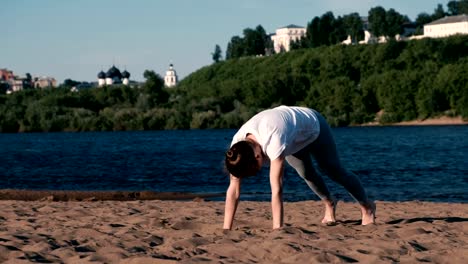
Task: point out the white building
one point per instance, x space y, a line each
447 26
113 76
17 85
45 82
170 79
285 35
371 39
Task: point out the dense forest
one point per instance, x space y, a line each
350 85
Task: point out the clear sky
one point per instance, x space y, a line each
78 38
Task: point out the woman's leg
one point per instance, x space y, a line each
302 163
324 151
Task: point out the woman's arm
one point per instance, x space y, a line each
276 183
232 199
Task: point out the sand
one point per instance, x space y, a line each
157 231
444 120
437 121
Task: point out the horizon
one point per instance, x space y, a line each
76 40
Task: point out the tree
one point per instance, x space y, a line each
28 81
235 48
3 87
323 31
353 26
386 23
326 26
421 20
338 34
394 21
154 86
255 42
377 21
216 55
312 37
439 12
69 83
457 7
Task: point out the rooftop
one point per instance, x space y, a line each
292 26
449 20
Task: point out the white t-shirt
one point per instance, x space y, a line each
281 130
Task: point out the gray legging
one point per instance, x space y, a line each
323 149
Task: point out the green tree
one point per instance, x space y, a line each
8 121
326 26
217 54
338 33
394 22
377 21
312 37
235 48
255 42
154 87
28 83
353 26
452 80
457 7
439 12
421 20
69 83
3 87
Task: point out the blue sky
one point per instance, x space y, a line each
77 39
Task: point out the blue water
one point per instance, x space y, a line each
394 163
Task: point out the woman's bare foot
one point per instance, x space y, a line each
368 213
330 209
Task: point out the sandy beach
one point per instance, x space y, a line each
162 231
437 121
444 120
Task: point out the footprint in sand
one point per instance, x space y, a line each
187 223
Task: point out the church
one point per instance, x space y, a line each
170 79
113 76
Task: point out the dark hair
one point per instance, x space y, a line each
240 159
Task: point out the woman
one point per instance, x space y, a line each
292 134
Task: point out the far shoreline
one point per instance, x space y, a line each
437 121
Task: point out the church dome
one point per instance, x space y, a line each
101 75
125 74
113 72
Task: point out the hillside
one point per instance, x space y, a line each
349 84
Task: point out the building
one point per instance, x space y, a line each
408 30
171 79
371 39
18 84
6 79
101 78
113 76
44 82
6 75
447 26
284 36
14 83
